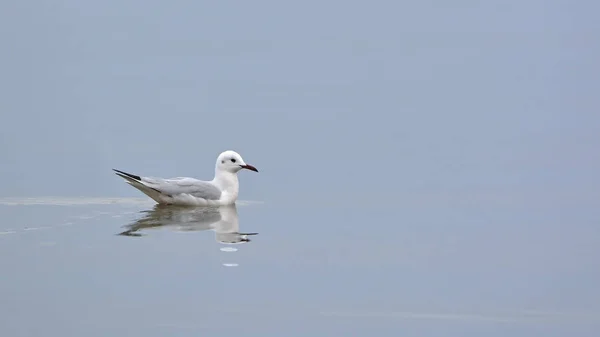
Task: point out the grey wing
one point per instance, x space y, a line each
194 187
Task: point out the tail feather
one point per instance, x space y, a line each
133 176
136 181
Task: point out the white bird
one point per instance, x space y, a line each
222 190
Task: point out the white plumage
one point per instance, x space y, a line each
221 190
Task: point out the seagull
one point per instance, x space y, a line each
185 191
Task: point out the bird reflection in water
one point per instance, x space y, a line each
223 220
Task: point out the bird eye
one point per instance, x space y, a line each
232 160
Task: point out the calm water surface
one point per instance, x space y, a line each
98 267
427 168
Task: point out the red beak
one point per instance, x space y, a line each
249 167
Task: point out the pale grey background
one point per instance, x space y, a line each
465 127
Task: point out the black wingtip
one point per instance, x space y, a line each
133 176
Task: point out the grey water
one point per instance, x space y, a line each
426 168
